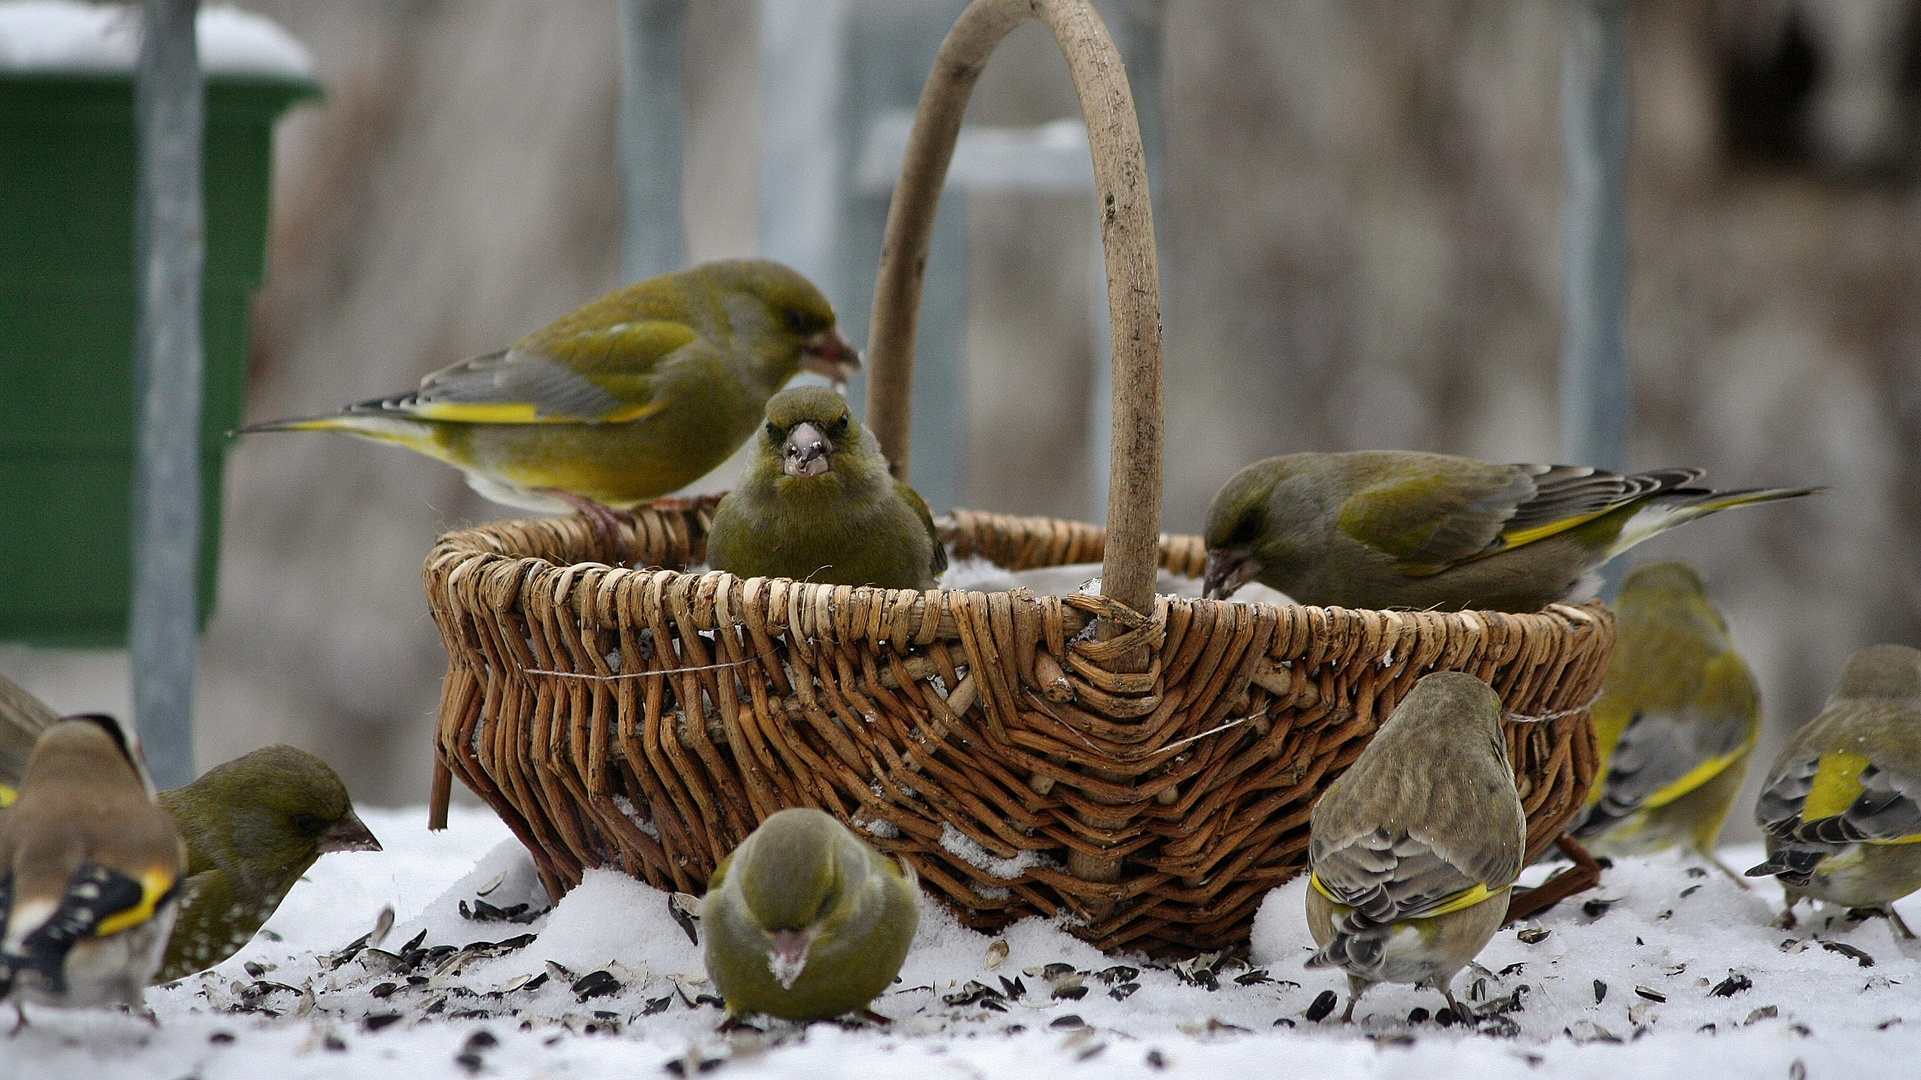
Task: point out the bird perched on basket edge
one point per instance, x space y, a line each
630 396
252 826
1412 852
817 504
804 921
1677 715
1398 529
90 868
1842 803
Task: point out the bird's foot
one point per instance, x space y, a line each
20 1019
605 519
1900 926
1733 874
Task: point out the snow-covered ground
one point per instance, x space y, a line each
1667 967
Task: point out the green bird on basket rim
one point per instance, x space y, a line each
631 396
1397 529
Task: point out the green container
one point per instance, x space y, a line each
67 314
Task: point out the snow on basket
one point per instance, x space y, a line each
1143 766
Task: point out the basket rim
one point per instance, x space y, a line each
462 552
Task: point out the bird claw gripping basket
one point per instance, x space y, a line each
1142 767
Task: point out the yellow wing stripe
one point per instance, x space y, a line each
1460 901
155 885
1837 783
7 795
488 412
1695 777
1528 536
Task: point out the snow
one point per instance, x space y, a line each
979 575
63 35
1029 1000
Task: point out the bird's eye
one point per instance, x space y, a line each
796 321
839 427
773 431
307 824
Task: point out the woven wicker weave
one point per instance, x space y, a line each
1144 766
962 730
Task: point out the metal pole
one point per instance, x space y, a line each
1595 403
802 46
653 124
169 252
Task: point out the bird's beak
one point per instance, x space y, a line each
787 955
348 834
831 355
807 451
1227 571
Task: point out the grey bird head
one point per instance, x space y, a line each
1882 671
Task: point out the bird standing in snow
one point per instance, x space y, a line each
89 872
1394 529
252 826
1842 804
1676 718
630 396
1412 852
804 921
817 504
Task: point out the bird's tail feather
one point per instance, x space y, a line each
400 430
1793 865
1681 505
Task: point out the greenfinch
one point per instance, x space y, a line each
803 921
818 504
633 395
252 826
1677 716
90 869
1396 529
1842 805
1413 851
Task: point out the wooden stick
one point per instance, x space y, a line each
1585 874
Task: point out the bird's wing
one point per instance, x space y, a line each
605 375
99 901
1389 876
913 499
22 718
1841 797
1431 519
1664 755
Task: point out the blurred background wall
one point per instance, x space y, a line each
1360 214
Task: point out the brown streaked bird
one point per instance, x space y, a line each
90 869
22 719
1397 529
1412 852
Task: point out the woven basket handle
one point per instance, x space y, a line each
1127 236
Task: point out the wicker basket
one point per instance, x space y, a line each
1143 765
